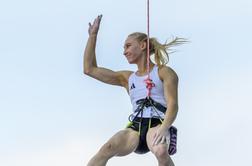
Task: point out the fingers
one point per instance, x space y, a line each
154 139
97 20
158 139
94 27
163 140
100 16
94 21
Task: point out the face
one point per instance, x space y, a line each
133 50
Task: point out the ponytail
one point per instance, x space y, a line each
161 51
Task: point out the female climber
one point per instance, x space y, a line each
150 127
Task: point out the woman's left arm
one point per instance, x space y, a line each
170 84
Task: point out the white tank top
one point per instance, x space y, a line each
138 90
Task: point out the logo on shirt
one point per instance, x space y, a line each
149 83
132 86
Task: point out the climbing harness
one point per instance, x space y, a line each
149 102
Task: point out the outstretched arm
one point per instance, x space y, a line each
91 68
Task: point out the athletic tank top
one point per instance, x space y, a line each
138 90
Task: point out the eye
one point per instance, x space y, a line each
127 45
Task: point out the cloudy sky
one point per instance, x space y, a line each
52 114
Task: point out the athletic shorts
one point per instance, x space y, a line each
142 126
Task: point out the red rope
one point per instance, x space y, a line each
148 81
148 38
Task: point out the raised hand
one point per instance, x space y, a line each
94 28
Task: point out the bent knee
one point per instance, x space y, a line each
161 152
108 149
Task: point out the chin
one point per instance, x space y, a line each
131 62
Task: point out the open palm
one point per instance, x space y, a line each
94 28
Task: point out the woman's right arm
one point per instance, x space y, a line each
91 68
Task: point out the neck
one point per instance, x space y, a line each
142 67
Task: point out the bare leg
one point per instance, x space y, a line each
121 144
160 150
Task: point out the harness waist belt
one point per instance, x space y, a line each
147 102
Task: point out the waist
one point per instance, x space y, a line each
145 121
149 112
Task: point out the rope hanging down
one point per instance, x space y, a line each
148 101
148 81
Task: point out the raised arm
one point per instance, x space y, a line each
89 54
91 68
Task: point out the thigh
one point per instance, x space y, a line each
150 137
123 142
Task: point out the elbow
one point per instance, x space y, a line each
88 71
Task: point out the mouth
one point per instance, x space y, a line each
127 56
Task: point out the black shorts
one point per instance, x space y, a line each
146 123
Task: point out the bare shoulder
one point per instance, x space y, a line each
167 73
124 77
126 73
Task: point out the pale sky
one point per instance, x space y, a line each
51 114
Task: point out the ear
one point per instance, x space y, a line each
143 45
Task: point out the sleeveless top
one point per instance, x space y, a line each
138 90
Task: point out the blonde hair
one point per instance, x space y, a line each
161 51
